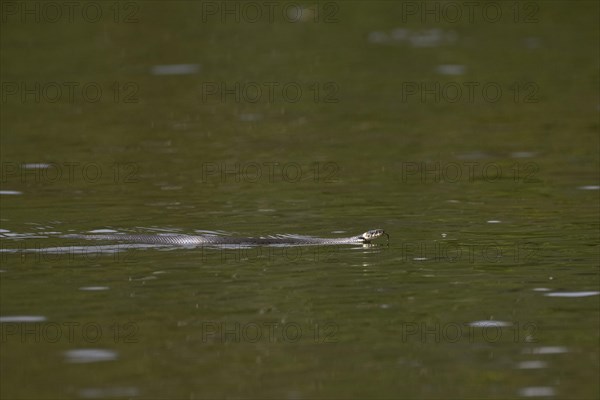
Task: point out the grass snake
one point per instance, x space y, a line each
210 240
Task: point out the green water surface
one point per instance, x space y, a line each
346 119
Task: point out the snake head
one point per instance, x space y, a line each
373 234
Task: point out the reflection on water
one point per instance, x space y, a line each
532 364
22 318
572 294
546 350
488 324
415 38
589 187
175 69
94 288
85 356
450 69
537 391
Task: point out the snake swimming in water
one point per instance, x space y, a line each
210 240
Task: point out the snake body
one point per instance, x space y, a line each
210 240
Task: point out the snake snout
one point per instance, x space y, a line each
373 234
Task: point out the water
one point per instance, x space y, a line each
488 288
